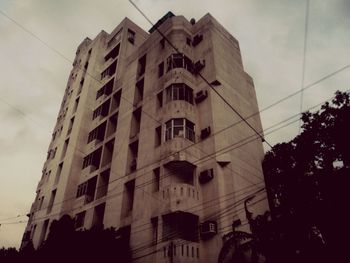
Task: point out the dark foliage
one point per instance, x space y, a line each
64 244
307 190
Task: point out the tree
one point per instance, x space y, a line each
307 180
64 244
94 245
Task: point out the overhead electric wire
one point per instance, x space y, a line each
185 242
274 104
270 105
303 69
203 78
214 216
250 136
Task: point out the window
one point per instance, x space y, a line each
179 91
54 153
79 220
52 200
70 127
129 195
112 125
54 135
113 53
161 69
102 110
131 36
142 66
116 38
179 60
99 212
154 221
156 179
159 100
135 122
44 230
98 133
106 89
81 83
179 128
58 173
33 232
162 43
182 225
93 159
116 100
81 189
48 175
139 91
133 149
76 105
188 41
110 70
88 189
158 137
65 147
103 182
41 202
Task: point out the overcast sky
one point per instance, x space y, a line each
33 77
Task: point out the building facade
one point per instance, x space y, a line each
142 142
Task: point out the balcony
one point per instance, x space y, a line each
180 197
180 251
173 150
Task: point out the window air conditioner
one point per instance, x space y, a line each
205 133
198 66
197 39
206 175
201 95
208 229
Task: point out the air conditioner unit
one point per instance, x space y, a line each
208 229
197 39
201 95
205 133
198 66
205 176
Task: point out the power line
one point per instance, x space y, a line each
244 141
203 78
234 123
184 242
304 58
214 216
242 119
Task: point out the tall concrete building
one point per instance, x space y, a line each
142 142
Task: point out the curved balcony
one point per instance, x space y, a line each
180 251
178 109
180 197
179 149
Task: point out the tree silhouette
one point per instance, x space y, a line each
307 180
